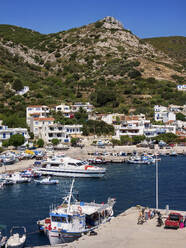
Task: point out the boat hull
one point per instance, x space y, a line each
71 173
56 237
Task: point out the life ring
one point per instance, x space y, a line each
80 210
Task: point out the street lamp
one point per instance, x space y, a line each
156 182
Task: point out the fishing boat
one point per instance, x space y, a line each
16 240
3 240
70 220
69 167
47 180
143 159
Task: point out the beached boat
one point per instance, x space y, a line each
47 180
72 219
69 167
16 240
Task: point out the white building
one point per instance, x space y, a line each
6 133
38 125
86 106
65 109
61 132
36 111
46 129
162 113
155 130
23 91
135 125
181 87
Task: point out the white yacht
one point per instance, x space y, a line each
72 219
69 167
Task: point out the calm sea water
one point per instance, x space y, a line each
24 204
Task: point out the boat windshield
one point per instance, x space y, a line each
59 219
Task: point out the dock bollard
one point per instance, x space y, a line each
167 209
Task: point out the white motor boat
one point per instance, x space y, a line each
47 180
17 178
16 240
3 240
144 159
69 167
72 219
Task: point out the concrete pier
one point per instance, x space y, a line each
124 232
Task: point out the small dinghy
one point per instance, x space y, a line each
3 240
16 240
47 181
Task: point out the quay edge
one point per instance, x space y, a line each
123 231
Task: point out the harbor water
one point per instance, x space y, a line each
24 204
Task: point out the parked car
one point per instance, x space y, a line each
173 220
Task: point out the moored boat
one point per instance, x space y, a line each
69 167
47 180
3 240
72 219
16 240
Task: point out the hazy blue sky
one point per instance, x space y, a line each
145 18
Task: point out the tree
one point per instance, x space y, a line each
137 139
17 140
17 85
167 137
125 140
55 142
74 141
180 116
40 143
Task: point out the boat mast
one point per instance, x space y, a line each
70 195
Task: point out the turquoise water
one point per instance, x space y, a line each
24 204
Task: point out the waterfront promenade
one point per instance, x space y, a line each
111 154
124 232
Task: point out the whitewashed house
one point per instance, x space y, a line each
162 113
181 87
61 132
36 111
6 133
23 91
132 126
86 106
65 109
39 124
155 130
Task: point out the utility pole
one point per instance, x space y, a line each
156 182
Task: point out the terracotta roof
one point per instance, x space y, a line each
35 106
44 119
130 118
35 113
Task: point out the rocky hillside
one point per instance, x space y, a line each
101 62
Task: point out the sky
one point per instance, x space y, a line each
145 18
